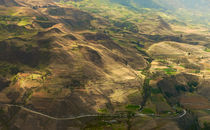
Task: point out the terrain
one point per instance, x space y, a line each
93 64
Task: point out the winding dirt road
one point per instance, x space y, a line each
80 116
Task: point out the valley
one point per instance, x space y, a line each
93 64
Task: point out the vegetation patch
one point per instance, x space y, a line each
46 24
147 111
132 107
180 88
20 21
25 21
126 26
9 19
196 71
102 110
170 71
207 49
155 90
7 68
206 126
13 30
40 18
193 86
164 62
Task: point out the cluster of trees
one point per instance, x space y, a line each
126 26
44 6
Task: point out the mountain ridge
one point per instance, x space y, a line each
8 3
101 57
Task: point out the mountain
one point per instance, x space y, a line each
8 3
196 10
172 4
104 64
201 5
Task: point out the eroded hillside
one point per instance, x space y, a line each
66 63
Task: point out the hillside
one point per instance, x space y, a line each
189 11
8 3
103 64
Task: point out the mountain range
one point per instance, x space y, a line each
104 64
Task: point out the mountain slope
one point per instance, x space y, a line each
196 11
8 3
66 61
101 64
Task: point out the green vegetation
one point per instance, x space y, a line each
126 33
193 86
156 98
180 88
163 61
170 71
27 95
9 19
13 30
126 26
103 110
147 111
140 70
25 21
206 111
207 49
155 90
120 20
168 94
196 71
7 68
46 24
21 21
102 124
132 107
42 18
182 66
206 126
139 48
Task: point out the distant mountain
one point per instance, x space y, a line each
104 64
8 3
195 11
201 5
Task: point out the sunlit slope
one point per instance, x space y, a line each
120 66
52 53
